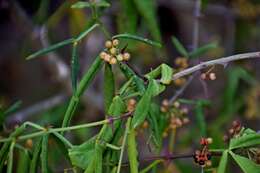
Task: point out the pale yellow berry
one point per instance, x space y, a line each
178 122
126 56
29 143
208 163
203 76
165 102
112 51
210 140
163 109
212 76
107 58
115 42
165 134
186 120
131 102
102 55
112 61
145 124
108 44
176 104
184 110
120 57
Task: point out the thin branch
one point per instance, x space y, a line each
221 61
179 92
62 129
173 157
42 106
195 34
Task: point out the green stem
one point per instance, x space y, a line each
10 158
48 131
123 144
84 83
172 140
132 151
153 164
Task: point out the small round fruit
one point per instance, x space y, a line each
212 76
112 51
29 143
210 140
132 102
102 55
107 58
203 76
165 102
120 57
115 42
108 44
112 61
126 56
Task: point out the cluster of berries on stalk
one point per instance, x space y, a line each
203 156
181 63
177 116
234 131
209 75
112 54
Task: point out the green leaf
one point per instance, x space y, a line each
62 143
82 4
223 162
82 155
180 48
98 158
50 49
202 50
165 71
149 167
10 158
147 9
128 16
246 140
129 73
143 105
204 4
83 84
109 86
35 157
13 108
4 154
86 32
248 166
74 67
132 151
117 107
137 38
89 75
44 154
199 112
23 161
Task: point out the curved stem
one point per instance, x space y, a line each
221 61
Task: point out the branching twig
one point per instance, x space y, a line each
182 89
221 61
37 108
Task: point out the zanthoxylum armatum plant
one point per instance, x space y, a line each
131 109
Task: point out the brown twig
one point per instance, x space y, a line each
221 61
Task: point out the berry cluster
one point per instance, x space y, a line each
208 76
131 103
177 116
181 63
203 156
112 53
234 131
